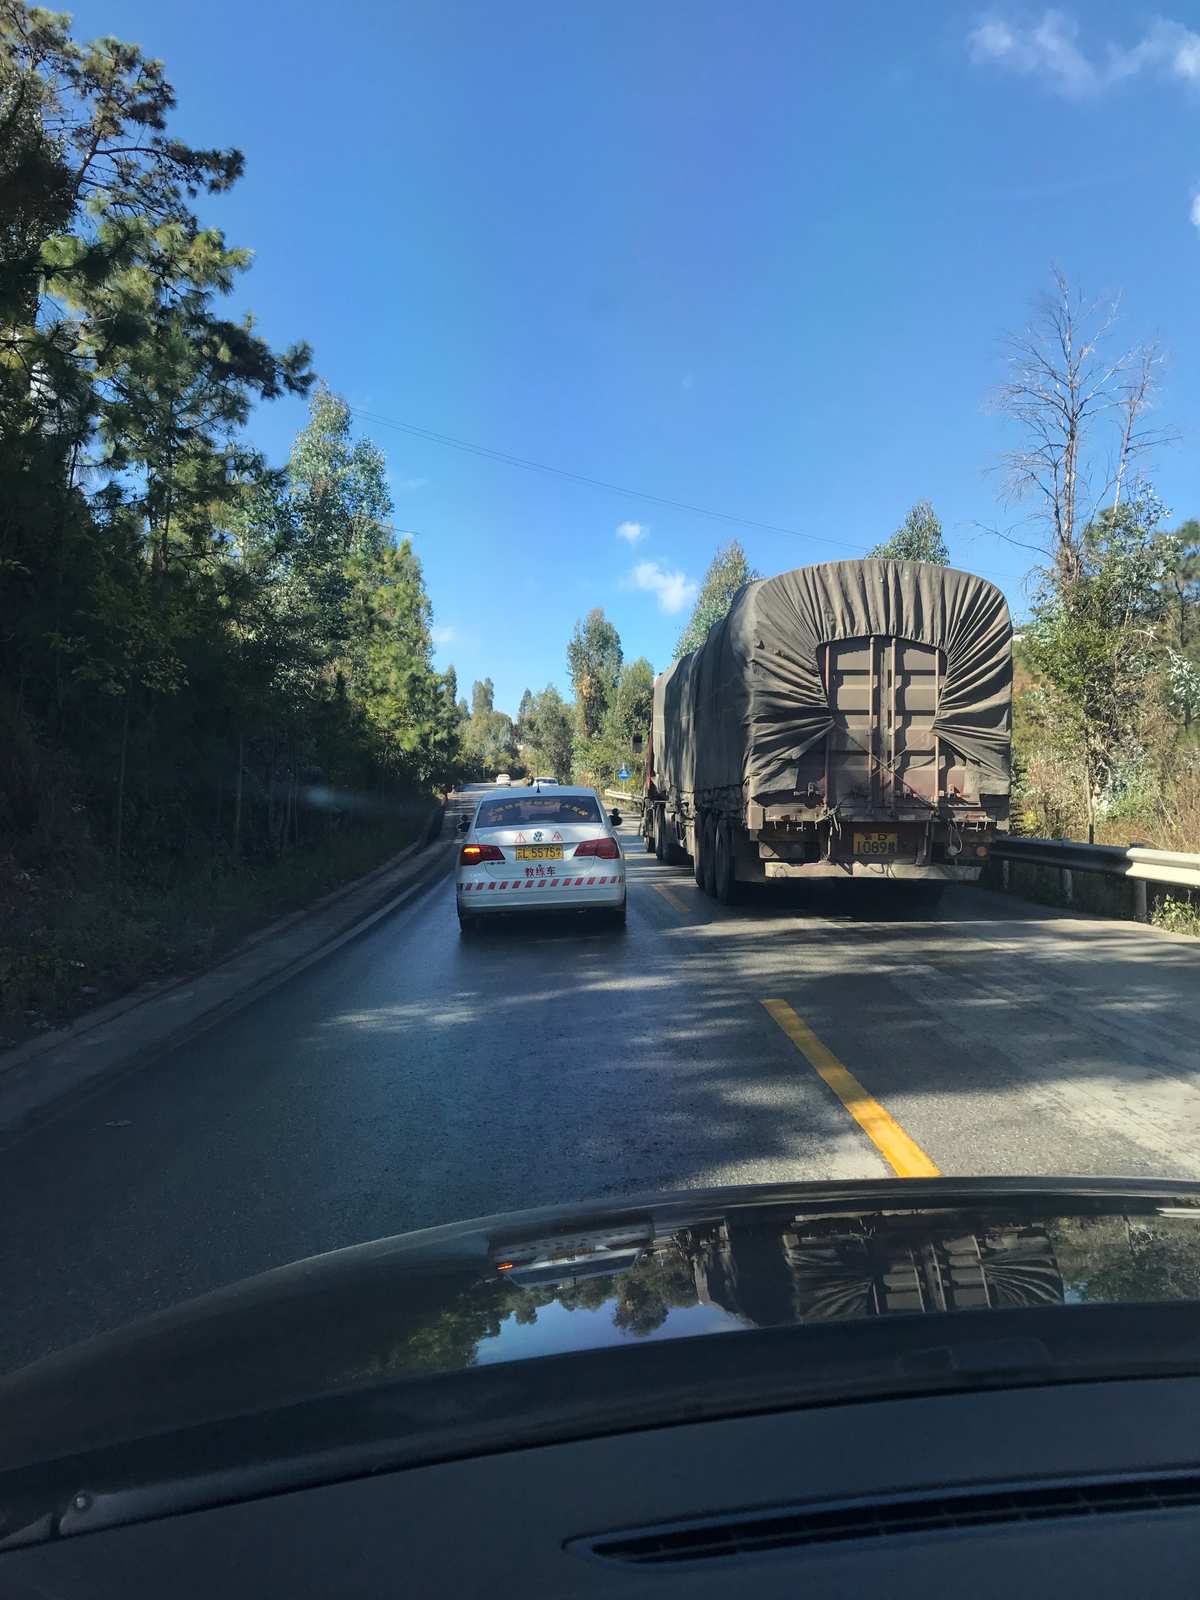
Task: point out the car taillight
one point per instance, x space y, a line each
606 849
472 854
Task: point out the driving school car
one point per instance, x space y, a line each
534 850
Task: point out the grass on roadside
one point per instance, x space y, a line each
68 945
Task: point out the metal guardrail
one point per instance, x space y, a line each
632 802
1136 862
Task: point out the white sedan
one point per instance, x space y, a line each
534 850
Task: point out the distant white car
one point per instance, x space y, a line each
503 780
543 780
533 851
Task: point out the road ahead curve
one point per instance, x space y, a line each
415 1078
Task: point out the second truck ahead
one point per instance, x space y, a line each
851 719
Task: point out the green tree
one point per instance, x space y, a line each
446 751
633 702
339 484
1181 630
918 538
628 715
550 735
394 680
728 571
121 391
594 660
1095 642
488 736
193 645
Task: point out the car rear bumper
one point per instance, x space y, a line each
485 896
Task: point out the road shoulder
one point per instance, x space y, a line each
36 1077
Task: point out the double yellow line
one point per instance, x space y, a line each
903 1155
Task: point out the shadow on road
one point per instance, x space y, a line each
524 927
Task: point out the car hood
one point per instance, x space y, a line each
556 1282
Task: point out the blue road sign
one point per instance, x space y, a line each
623 774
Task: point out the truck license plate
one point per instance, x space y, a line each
874 844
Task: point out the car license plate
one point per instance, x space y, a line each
539 852
874 844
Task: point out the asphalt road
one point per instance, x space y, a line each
414 1078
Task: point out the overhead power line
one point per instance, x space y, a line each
529 465
595 483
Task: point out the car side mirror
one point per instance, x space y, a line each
463 824
615 818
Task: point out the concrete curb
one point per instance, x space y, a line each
36 1078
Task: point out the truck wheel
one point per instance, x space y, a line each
698 850
725 884
708 854
660 836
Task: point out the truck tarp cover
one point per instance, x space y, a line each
741 711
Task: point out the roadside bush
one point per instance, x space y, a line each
1180 915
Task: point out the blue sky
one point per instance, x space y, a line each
755 258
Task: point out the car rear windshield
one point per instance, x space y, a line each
534 808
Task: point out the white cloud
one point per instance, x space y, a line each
446 635
1050 49
406 485
632 532
1194 213
672 590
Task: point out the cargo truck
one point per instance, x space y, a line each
847 720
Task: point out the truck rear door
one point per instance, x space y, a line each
881 753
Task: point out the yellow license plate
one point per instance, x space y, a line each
539 852
874 844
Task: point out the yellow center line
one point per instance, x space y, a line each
670 895
903 1155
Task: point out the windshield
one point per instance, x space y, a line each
431 432
517 812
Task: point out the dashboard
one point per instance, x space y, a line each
1088 1488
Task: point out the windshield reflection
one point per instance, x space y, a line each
725 1276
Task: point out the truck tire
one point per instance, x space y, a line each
660 836
708 855
725 884
698 850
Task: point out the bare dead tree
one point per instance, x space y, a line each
1135 400
1067 392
